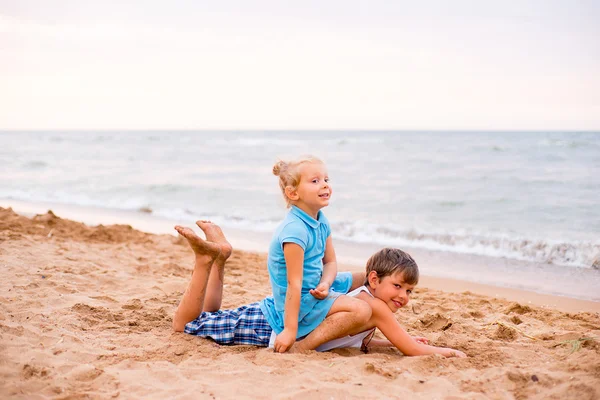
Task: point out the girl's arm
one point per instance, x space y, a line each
329 271
385 320
294 261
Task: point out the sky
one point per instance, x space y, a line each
311 64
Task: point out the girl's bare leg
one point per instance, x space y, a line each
192 302
347 316
214 288
358 279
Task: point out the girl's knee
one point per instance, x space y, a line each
360 309
364 311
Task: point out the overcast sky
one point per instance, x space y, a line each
339 64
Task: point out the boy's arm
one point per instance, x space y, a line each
329 271
385 320
387 343
294 261
379 343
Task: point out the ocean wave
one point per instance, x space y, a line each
572 254
565 253
264 225
131 203
567 143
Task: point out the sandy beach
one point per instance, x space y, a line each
85 312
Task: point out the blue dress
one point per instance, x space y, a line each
310 234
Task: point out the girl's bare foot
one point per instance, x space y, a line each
214 234
199 245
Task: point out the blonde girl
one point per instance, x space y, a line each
307 289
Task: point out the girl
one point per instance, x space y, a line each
302 264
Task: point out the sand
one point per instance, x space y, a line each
85 312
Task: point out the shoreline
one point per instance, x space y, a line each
351 256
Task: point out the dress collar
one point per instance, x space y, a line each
313 223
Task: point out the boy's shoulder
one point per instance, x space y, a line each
378 306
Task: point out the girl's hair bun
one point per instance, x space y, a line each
289 173
278 167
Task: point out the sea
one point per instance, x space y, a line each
524 205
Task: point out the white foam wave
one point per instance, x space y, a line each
228 221
76 198
567 253
572 254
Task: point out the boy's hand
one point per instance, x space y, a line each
421 340
455 353
321 291
284 341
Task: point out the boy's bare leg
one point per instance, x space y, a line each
214 288
192 302
348 316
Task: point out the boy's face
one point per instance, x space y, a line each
391 289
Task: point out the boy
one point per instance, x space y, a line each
391 276
199 310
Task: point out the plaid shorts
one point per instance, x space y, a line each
244 325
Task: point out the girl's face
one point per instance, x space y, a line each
314 191
391 289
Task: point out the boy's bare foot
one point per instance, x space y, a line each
214 234
199 245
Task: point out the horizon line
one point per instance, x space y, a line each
547 130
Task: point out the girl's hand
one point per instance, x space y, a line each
284 341
321 291
421 340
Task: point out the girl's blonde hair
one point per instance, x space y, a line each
289 173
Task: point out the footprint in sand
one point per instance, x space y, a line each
436 322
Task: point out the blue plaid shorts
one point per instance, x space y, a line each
244 325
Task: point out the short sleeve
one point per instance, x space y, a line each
294 232
325 222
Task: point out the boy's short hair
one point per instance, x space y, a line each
389 260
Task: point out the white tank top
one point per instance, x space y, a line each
343 342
